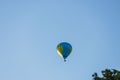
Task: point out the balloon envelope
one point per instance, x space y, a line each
64 49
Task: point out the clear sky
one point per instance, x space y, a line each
31 29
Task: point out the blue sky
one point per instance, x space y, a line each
31 29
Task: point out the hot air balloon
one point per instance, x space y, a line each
64 49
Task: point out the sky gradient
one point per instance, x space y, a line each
30 31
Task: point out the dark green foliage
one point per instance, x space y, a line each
107 74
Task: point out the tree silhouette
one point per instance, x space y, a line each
107 74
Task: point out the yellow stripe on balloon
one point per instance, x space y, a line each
70 50
59 50
59 54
